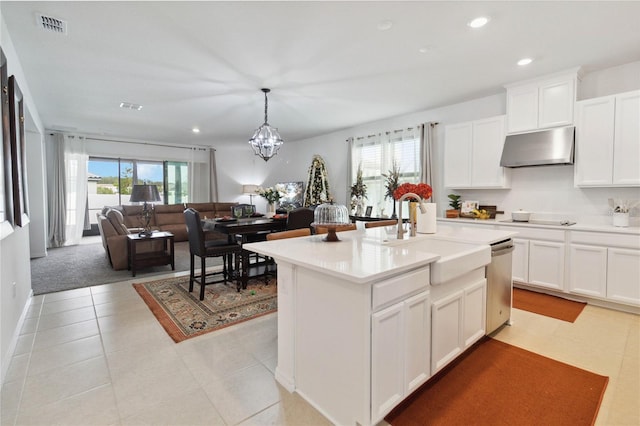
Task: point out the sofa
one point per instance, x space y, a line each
115 222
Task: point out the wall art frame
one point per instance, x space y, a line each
6 194
293 195
18 156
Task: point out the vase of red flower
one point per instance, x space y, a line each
423 222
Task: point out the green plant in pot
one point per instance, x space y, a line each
454 203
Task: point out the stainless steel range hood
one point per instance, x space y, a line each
543 148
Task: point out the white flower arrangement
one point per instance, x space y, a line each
622 206
272 194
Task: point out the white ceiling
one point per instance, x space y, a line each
328 65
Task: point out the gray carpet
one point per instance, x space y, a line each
86 265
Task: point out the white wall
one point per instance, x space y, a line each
15 272
546 190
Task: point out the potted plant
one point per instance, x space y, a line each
392 181
454 203
358 193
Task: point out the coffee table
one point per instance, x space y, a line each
166 256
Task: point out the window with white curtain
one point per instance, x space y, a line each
375 154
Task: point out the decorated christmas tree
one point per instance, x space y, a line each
317 190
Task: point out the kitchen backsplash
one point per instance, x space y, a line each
549 190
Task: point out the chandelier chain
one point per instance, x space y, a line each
265 107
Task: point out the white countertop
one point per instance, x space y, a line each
369 255
593 226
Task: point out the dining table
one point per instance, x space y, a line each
247 229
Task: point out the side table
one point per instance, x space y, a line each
166 256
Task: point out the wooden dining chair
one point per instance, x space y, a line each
378 223
304 232
202 248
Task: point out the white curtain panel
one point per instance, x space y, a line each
56 192
213 176
426 153
75 166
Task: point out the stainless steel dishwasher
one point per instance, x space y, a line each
499 285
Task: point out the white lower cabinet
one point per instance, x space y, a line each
539 257
546 264
597 269
588 270
457 321
520 260
400 342
623 275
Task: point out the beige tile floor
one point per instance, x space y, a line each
97 356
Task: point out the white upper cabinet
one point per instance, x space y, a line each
608 141
542 103
626 158
472 154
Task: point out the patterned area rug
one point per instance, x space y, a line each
184 316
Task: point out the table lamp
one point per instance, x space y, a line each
145 193
249 190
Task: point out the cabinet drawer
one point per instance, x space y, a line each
607 240
398 288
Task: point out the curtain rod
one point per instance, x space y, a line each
432 124
200 148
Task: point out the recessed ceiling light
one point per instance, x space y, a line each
195 130
478 22
525 61
385 25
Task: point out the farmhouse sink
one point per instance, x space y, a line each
456 258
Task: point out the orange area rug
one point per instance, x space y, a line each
496 384
550 306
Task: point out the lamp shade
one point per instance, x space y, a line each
144 193
249 189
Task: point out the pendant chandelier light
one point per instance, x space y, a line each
266 141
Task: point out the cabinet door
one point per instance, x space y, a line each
555 103
457 155
488 141
588 270
623 275
520 259
522 108
546 264
594 142
446 330
418 341
474 318
387 360
626 160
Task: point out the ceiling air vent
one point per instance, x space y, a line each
49 23
129 105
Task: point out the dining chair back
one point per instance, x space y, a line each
324 229
202 248
289 234
300 218
379 223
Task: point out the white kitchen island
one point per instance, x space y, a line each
355 316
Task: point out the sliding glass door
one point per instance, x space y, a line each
111 181
176 185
